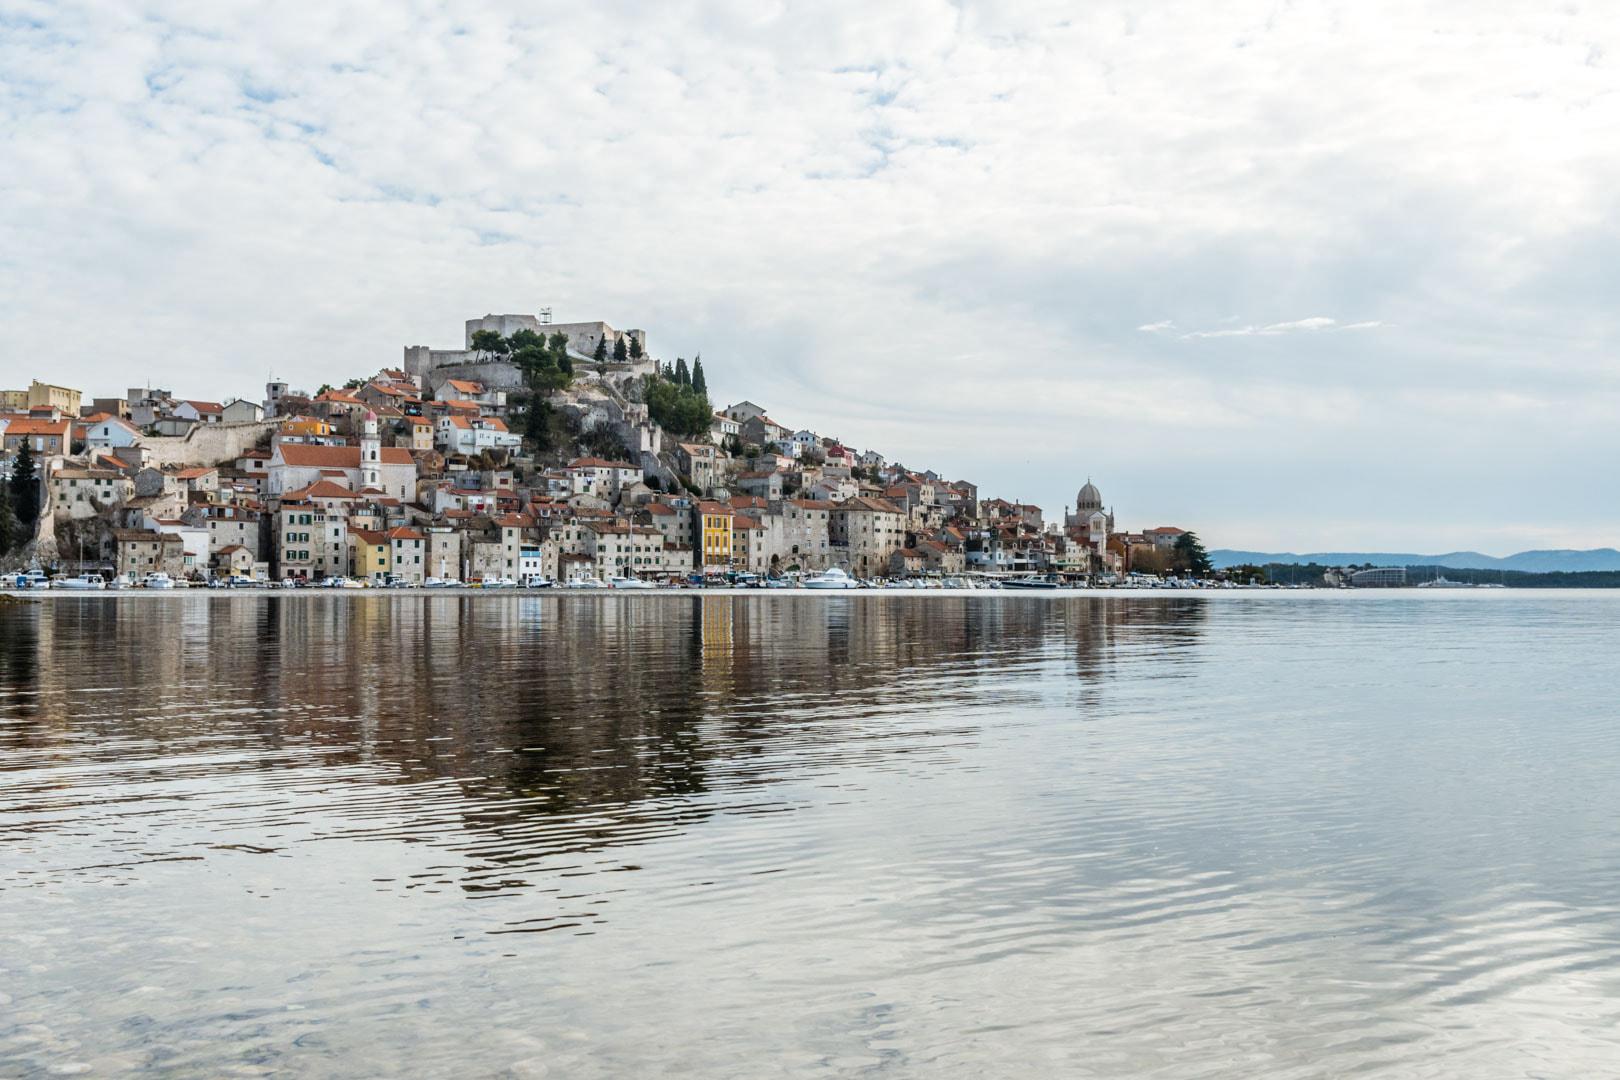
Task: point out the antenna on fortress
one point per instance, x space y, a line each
545 316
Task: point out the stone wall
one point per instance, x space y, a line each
494 374
206 444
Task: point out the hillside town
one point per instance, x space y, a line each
537 452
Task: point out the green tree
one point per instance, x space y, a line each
1191 556
489 342
700 385
8 521
621 351
25 488
636 351
600 356
678 409
682 376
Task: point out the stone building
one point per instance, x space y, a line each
797 535
310 542
142 552
866 532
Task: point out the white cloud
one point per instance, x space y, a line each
922 208
1314 324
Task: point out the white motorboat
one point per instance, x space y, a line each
499 583
80 581
830 579
586 583
441 583
157 579
629 583
538 583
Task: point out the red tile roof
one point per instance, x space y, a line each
338 457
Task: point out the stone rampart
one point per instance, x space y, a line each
206 444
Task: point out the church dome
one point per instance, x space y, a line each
1089 498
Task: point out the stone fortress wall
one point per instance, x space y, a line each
206 444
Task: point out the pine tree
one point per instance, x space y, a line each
682 376
25 489
699 384
601 351
621 351
636 352
1190 555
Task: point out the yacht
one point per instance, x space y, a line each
629 583
81 581
830 579
157 579
1443 582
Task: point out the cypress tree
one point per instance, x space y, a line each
635 349
601 351
682 376
25 488
699 384
621 352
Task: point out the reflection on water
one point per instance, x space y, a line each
445 835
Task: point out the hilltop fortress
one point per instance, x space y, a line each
435 367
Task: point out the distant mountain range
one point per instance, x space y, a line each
1534 562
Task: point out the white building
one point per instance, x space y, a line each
470 435
111 433
389 469
604 479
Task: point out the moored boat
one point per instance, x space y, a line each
80 581
157 579
830 579
586 583
1031 583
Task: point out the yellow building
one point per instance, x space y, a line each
306 427
716 521
13 401
60 398
372 561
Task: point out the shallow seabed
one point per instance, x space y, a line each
1190 835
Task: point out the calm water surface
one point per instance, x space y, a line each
1284 835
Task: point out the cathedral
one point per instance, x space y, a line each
1090 523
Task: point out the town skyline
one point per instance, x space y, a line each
1290 275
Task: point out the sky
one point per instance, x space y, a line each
1299 276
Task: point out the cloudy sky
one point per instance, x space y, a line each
1301 276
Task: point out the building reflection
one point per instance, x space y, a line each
527 717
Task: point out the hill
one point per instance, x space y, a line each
1558 560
